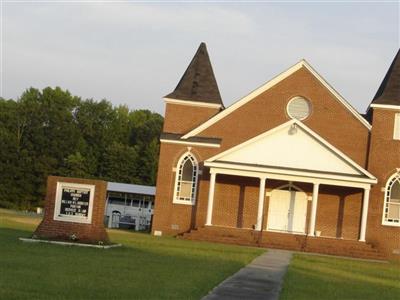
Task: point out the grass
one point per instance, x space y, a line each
146 267
320 277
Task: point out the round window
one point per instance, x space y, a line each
299 108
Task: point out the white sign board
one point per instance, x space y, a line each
74 202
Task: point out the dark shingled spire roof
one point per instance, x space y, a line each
198 82
389 90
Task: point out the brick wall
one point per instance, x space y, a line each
339 212
339 209
384 158
181 118
329 117
166 213
235 201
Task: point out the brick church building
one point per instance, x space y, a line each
292 165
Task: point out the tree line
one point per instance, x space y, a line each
51 132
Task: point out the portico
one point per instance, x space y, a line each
316 162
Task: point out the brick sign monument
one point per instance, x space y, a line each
74 210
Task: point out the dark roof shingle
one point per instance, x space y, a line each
198 83
389 90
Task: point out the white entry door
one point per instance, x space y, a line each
287 211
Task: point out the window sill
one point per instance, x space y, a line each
391 224
183 202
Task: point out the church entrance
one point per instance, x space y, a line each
287 210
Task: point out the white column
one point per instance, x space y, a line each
210 199
364 215
314 203
260 204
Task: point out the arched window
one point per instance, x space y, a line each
391 209
186 180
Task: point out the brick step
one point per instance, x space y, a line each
232 239
281 240
225 232
281 246
342 251
363 254
319 249
338 242
355 247
364 248
342 247
248 237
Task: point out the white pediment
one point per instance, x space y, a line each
291 145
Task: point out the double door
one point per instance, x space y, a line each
287 211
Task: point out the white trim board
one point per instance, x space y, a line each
270 84
259 172
385 106
192 103
200 144
306 129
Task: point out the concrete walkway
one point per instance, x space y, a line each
261 279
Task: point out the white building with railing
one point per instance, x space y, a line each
129 206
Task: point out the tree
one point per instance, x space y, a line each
75 166
120 163
52 132
146 129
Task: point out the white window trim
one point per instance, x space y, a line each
310 106
389 181
196 164
57 205
396 127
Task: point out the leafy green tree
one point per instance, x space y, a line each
145 133
120 163
8 153
95 122
148 163
75 166
51 132
46 136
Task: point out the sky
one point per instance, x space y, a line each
134 53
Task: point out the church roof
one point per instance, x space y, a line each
389 90
198 83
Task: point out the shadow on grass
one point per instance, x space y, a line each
144 268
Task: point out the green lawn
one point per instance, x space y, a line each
320 277
146 267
